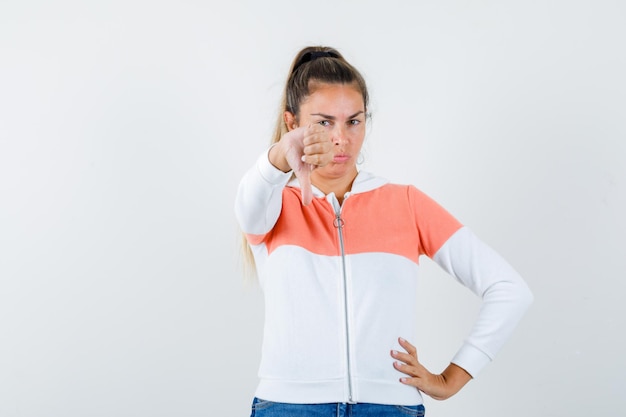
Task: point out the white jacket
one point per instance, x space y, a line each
340 283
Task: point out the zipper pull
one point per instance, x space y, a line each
338 222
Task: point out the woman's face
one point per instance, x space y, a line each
340 109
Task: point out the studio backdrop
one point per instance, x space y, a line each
125 127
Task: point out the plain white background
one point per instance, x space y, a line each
126 125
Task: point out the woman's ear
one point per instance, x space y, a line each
290 121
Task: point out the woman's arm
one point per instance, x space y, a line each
505 299
505 296
259 196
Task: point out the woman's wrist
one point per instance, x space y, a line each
455 378
277 157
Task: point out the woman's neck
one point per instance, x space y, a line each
339 186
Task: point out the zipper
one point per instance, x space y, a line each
338 223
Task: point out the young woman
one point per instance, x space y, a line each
337 254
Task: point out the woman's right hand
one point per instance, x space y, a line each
302 150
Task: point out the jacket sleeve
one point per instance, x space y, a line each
259 196
505 296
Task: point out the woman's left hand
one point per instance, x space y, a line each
439 387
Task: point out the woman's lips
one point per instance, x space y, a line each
340 158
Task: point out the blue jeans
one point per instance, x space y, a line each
262 408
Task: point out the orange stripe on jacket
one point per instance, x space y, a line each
396 219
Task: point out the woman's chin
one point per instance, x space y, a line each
336 171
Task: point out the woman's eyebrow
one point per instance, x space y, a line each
329 117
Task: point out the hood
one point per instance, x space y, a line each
364 182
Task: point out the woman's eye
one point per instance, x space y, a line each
324 123
355 122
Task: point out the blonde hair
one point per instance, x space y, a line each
312 66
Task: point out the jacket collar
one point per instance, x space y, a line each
364 182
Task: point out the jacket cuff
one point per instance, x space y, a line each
472 359
269 172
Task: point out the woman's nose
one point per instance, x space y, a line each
339 135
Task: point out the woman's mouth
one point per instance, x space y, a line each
341 158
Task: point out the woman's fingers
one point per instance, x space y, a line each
317 146
410 357
407 362
410 349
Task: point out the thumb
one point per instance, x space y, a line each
301 169
304 178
